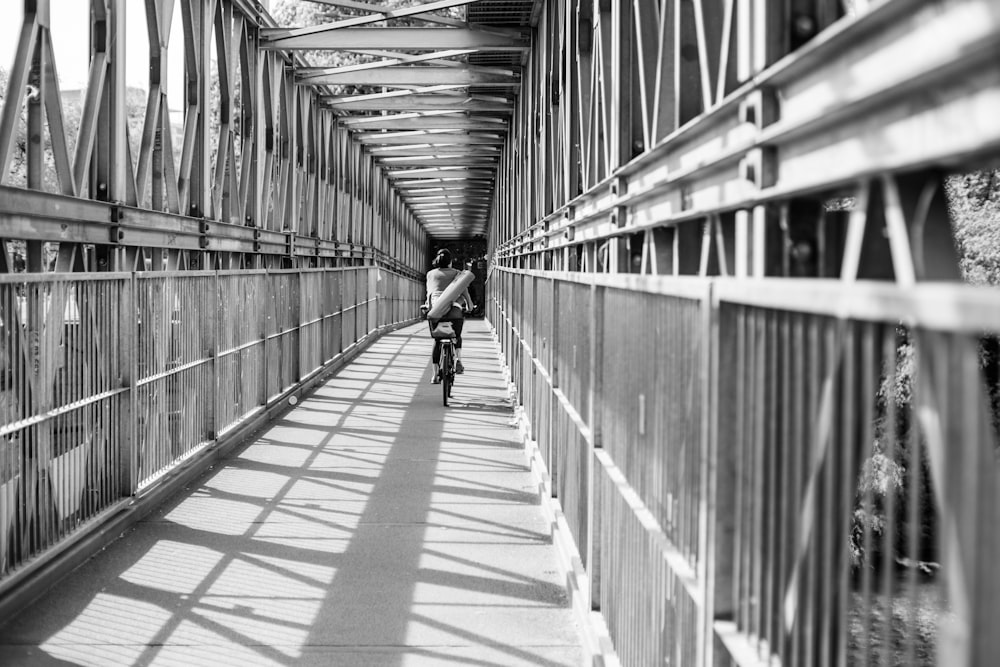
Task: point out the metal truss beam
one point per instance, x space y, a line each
433 150
382 9
731 140
377 14
454 121
415 76
436 161
421 103
442 138
417 39
263 170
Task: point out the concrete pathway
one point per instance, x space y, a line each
369 526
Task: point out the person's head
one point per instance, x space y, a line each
443 259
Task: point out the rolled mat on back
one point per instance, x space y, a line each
443 303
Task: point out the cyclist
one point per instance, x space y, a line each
438 279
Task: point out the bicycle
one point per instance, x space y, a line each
447 368
444 332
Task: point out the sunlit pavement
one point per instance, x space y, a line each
369 526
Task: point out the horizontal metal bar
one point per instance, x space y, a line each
239 348
426 39
173 371
940 306
35 420
688 287
49 278
403 75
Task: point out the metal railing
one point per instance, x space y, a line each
772 471
109 381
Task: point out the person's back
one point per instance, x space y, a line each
438 280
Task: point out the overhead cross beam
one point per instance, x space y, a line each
379 14
421 103
425 130
429 120
420 39
408 75
440 137
402 150
437 58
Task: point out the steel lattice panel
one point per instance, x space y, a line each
511 13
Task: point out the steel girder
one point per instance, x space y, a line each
447 82
240 168
657 121
695 150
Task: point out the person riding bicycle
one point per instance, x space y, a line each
438 279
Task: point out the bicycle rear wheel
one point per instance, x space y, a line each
446 372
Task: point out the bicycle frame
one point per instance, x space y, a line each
447 368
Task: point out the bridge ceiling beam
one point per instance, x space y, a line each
446 198
437 97
391 59
454 121
424 11
414 102
381 13
418 39
402 75
444 172
458 183
426 150
436 161
439 138
417 187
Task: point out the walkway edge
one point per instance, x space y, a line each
26 585
598 648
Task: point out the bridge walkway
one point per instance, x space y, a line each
367 526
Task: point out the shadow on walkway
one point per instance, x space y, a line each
369 526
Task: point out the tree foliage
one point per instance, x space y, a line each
974 205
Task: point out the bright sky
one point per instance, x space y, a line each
71 39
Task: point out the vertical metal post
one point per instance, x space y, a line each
213 354
595 399
112 167
128 346
197 94
36 96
